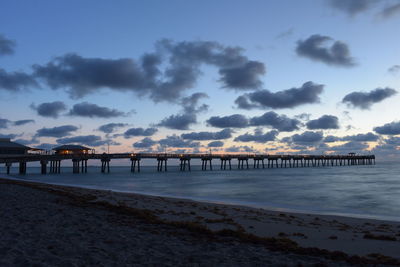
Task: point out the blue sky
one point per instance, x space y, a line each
268 32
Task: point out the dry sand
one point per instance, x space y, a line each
49 225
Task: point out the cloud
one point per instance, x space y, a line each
332 139
22 122
200 136
4 123
392 128
338 54
111 127
188 115
176 141
279 122
90 140
308 93
50 109
258 136
46 146
364 100
163 76
324 122
16 81
391 10
394 69
178 122
245 77
285 34
139 132
89 110
145 143
368 137
352 7
353 146
232 121
246 149
9 136
7 46
216 144
306 138
60 131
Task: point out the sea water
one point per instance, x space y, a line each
371 191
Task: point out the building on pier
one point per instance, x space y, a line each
73 150
11 148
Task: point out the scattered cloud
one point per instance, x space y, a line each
395 69
308 93
258 136
22 122
364 100
323 123
200 136
111 127
90 140
50 109
307 138
245 149
391 11
338 54
352 7
89 110
60 131
216 144
176 141
16 81
145 143
4 123
392 128
244 77
279 122
232 121
7 46
139 132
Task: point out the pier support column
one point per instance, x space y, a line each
135 163
43 166
8 167
204 162
22 167
183 163
160 162
105 165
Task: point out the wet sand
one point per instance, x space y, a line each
50 225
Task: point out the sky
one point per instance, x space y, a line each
287 76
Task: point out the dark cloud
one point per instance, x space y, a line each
50 109
391 10
232 121
258 136
352 146
200 136
60 131
307 138
90 140
179 121
176 141
368 137
246 149
145 143
324 122
111 127
163 76
392 128
308 93
46 146
7 46
216 144
4 123
89 110
352 7
279 122
332 139
338 54
9 136
139 132
188 115
22 122
16 81
394 69
364 100
244 77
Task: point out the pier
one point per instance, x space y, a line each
52 163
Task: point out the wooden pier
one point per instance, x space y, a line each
52 163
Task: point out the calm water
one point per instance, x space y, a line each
370 191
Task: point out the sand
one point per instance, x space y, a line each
49 225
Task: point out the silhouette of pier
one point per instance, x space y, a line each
52 163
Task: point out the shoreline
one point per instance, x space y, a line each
302 233
384 218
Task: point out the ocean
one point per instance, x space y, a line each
370 191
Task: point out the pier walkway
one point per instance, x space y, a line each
52 163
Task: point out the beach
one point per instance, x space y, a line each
51 225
